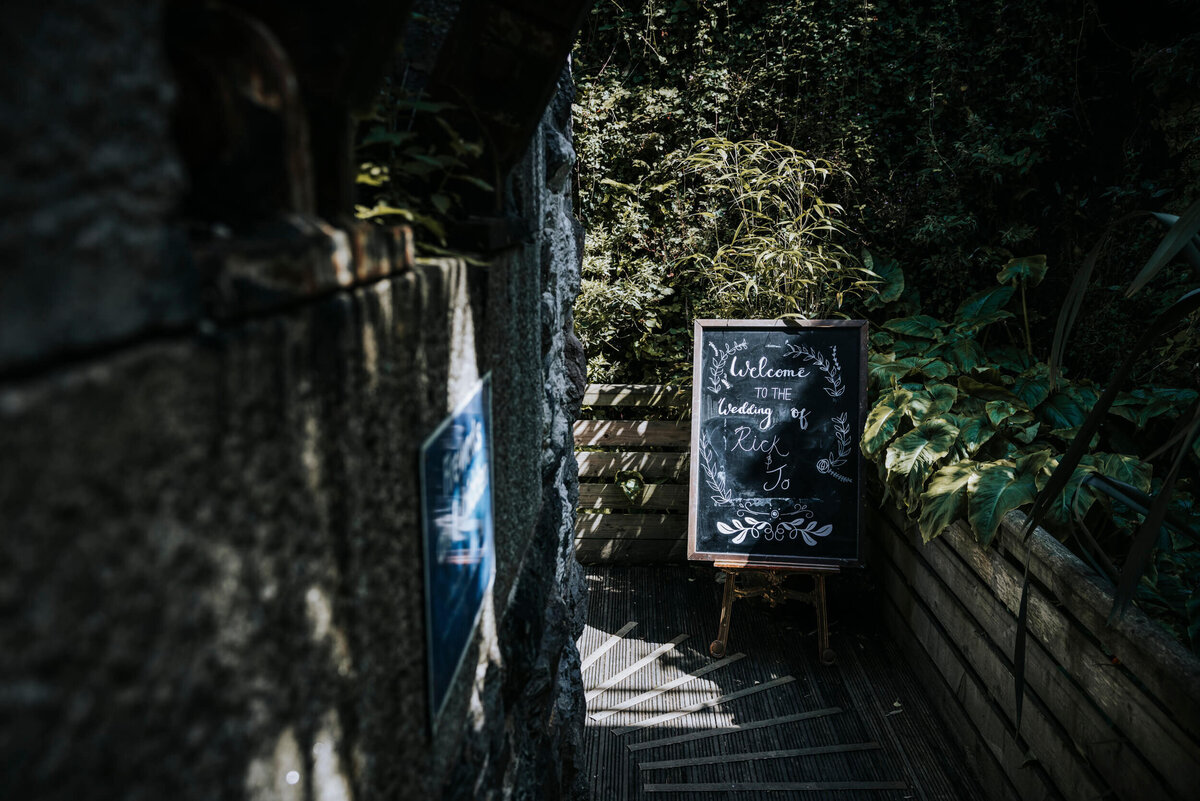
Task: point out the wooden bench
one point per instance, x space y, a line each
615 441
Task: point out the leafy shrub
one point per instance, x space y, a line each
777 249
966 427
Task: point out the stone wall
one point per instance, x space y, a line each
210 568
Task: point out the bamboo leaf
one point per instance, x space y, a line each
1191 251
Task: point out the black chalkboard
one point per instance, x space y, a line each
777 414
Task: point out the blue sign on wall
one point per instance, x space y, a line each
460 552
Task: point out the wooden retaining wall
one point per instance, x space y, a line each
1109 712
616 437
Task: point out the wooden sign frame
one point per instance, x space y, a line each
816 367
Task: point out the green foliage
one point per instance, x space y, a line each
974 438
975 132
777 251
406 176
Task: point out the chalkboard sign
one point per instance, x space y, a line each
777 414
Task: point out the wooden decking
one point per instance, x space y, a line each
768 721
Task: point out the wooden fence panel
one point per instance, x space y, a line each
611 527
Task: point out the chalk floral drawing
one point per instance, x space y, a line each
715 479
841 429
776 526
715 382
828 366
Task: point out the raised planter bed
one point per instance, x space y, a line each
1110 711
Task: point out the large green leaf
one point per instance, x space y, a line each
1140 406
884 370
883 420
985 390
892 277
944 500
881 340
1028 269
1033 385
1123 467
982 307
1075 499
936 369
964 352
999 489
931 402
974 430
920 325
914 455
1062 409
999 410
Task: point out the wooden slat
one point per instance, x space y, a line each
654 496
636 433
1162 665
1106 749
637 395
993 727
1147 726
652 466
630 552
631 527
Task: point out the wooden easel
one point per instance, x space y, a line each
773 590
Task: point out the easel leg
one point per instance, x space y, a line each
828 657
719 646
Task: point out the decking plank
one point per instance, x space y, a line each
669 601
